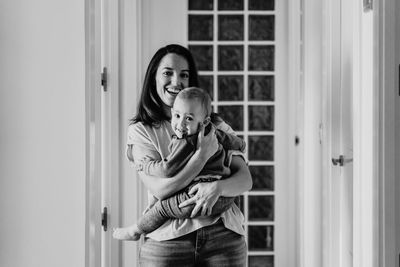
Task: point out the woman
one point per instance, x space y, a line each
199 241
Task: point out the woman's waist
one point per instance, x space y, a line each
232 219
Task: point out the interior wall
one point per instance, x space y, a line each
42 136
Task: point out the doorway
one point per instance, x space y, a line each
139 39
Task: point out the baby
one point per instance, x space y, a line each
191 108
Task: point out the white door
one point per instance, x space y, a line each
340 180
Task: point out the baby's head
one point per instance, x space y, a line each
192 106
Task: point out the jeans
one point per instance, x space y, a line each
213 245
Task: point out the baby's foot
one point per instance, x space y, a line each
127 233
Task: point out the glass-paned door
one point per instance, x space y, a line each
239 47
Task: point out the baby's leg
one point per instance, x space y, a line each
164 210
169 209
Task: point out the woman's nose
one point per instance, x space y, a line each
175 80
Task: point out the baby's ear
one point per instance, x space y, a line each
206 121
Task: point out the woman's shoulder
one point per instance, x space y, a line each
139 132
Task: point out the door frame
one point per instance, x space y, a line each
365 166
382 196
374 204
93 133
102 131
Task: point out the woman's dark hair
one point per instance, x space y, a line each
150 107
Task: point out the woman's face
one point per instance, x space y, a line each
172 76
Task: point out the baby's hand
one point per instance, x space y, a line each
139 165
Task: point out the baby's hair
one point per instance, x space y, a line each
199 94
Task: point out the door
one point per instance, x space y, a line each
340 120
252 97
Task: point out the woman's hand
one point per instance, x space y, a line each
204 196
207 145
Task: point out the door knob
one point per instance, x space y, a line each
340 161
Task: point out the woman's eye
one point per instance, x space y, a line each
167 73
185 75
189 119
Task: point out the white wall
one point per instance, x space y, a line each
42 136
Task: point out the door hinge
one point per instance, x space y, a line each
367 5
104 219
296 140
104 79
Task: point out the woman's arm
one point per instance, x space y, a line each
206 194
163 188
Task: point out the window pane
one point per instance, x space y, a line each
263 178
261 118
261 208
230 27
207 83
261 57
200 27
261 4
230 87
261 238
261 261
233 115
230 57
261 27
261 88
203 55
201 5
230 4
261 148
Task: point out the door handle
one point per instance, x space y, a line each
341 161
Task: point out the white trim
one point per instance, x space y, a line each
132 195
328 259
111 155
93 134
295 102
366 139
310 160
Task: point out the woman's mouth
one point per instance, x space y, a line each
173 90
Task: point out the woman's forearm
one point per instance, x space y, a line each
239 182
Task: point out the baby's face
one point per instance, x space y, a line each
187 114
